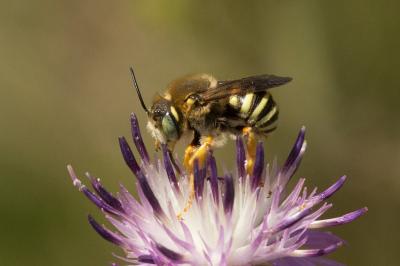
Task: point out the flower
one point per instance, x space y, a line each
235 219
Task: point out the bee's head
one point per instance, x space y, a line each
164 118
164 121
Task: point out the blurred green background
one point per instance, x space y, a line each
65 97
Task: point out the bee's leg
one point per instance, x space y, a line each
201 153
250 139
190 150
188 164
193 153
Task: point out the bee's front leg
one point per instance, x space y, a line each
189 151
200 153
193 153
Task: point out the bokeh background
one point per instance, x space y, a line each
65 97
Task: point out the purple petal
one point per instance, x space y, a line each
169 167
240 157
295 150
347 218
258 166
90 195
291 199
316 252
330 191
207 249
178 241
198 180
97 201
214 176
187 233
276 197
170 254
105 233
128 156
149 194
223 261
255 243
229 196
104 194
175 163
131 206
317 239
295 154
137 138
221 238
146 259
291 220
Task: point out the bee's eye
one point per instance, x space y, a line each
170 127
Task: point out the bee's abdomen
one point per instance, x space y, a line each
257 110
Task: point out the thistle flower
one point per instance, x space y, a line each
236 219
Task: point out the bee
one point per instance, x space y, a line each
211 109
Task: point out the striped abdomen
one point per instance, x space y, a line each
257 110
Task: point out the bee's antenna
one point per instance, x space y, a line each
138 91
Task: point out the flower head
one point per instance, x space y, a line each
236 219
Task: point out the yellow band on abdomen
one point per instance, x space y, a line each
247 102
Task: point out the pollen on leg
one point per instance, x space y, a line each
188 155
250 139
201 153
191 154
189 202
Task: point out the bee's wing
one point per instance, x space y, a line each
227 88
